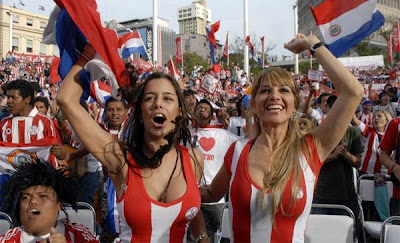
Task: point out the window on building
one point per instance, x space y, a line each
15 19
184 10
184 15
180 16
42 48
180 11
189 14
29 46
29 22
43 25
15 44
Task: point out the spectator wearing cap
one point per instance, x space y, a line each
365 115
385 104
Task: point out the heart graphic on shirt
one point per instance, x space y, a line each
207 143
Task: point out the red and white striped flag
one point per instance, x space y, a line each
396 37
226 47
262 49
389 48
178 56
172 69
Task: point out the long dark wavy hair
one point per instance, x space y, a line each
133 139
38 173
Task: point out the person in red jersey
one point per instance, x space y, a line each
271 178
35 195
148 166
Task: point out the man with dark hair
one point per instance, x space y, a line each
42 104
26 126
213 142
115 113
190 100
35 194
320 113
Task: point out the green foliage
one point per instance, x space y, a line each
191 59
365 49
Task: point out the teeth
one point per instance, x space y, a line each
274 107
35 211
159 115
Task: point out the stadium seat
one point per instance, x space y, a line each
320 227
85 215
5 223
366 191
390 233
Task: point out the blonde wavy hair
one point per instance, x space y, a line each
284 162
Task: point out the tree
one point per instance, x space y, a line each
191 59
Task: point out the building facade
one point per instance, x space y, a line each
27 32
196 43
166 37
194 18
389 8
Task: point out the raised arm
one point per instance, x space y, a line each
331 131
100 143
306 106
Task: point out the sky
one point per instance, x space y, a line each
270 18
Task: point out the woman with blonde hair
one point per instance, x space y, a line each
370 163
271 178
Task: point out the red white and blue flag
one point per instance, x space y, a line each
253 51
132 43
212 40
345 23
173 70
12 155
100 92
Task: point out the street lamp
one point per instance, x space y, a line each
11 30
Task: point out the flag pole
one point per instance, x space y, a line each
246 33
227 57
155 31
296 57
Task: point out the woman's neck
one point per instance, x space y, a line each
272 136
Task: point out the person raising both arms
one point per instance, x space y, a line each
148 167
271 178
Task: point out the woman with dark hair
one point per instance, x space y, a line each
35 195
155 178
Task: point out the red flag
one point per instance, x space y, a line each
389 48
104 41
226 48
262 48
396 37
172 69
54 77
178 56
211 36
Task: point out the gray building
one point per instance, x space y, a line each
166 37
389 8
198 44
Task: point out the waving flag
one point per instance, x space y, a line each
132 43
173 70
226 47
211 39
178 55
253 51
21 3
396 37
262 49
345 23
54 77
100 92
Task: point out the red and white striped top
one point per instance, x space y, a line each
370 157
365 118
249 222
390 142
26 129
143 219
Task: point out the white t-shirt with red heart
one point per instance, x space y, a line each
213 143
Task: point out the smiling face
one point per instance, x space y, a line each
274 97
39 209
159 108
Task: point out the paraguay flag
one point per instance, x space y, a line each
212 40
253 51
100 92
131 43
345 23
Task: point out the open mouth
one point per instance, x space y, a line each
274 108
35 212
159 119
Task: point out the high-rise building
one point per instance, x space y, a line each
27 33
389 8
194 18
166 36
